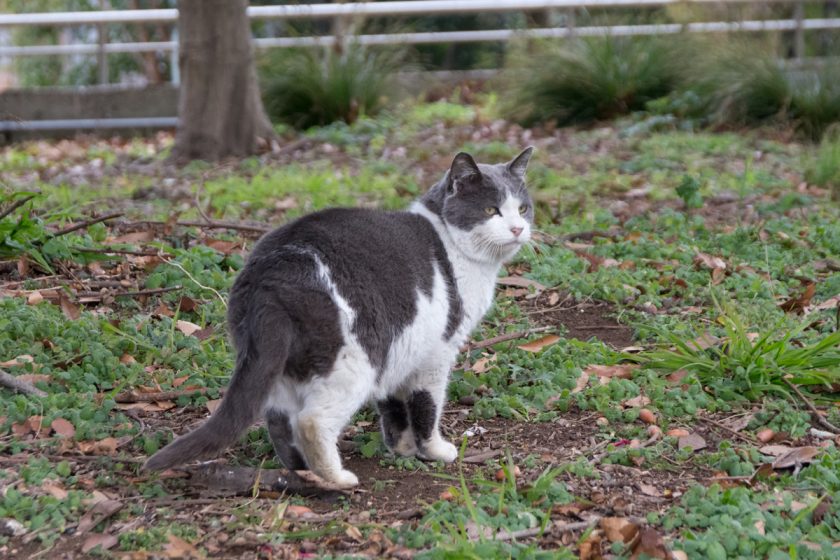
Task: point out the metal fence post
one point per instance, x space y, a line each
174 62
799 34
101 55
570 22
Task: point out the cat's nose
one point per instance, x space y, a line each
516 231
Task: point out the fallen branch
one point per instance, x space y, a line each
108 251
86 223
215 224
503 338
16 205
211 225
137 293
728 429
19 385
556 527
135 397
814 412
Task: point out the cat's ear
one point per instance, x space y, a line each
519 164
464 170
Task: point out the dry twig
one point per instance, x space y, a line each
16 384
503 338
814 412
86 223
16 205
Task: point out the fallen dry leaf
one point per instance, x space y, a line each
18 361
619 529
63 428
224 247
798 303
70 309
176 547
636 402
520 282
186 327
581 383
649 490
704 341
650 544
702 260
540 343
354 533
830 303
483 364
100 511
156 406
695 442
622 371
774 450
590 549
162 310
54 489
796 457
99 539
187 304
739 423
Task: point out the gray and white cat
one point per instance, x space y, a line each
342 307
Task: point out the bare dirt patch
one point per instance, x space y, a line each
581 320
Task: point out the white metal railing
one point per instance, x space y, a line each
312 11
403 8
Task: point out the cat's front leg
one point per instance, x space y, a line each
396 426
425 405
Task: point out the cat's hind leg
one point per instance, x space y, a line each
282 438
396 426
426 398
330 403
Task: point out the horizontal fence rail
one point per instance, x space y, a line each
311 11
485 35
419 7
81 124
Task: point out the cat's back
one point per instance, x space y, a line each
356 239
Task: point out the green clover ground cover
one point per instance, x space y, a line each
687 236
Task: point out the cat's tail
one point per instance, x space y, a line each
242 404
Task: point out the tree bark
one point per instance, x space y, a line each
220 110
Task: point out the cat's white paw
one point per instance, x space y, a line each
440 450
344 479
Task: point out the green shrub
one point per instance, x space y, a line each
815 99
309 87
824 169
745 84
589 79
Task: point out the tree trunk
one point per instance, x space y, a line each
220 109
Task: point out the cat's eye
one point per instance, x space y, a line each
523 209
491 210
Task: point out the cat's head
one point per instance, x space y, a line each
486 208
